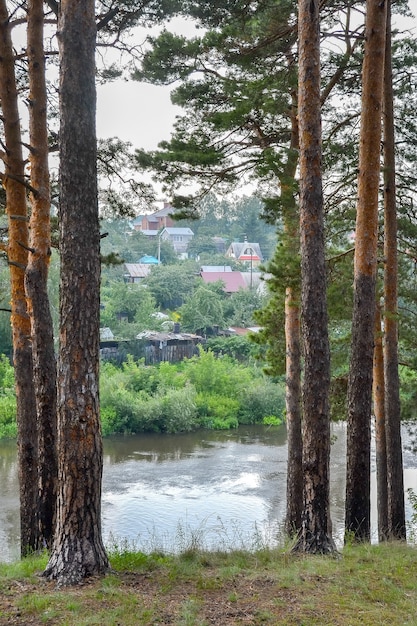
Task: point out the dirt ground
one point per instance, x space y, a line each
239 601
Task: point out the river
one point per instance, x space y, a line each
221 490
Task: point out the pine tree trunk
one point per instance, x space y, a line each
396 506
78 550
44 365
357 519
294 506
316 526
14 183
380 438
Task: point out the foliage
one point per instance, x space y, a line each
217 412
127 308
6 344
171 285
202 392
8 428
272 420
237 347
222 376
258 401
408 392
412 525
203 310
130 245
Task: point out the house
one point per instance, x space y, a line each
169 346
106 334
136 272
178 237
151 224
233 281
247 252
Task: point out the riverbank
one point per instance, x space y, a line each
363 586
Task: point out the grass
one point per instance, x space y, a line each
364 586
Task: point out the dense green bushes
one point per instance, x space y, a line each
7 400
202 392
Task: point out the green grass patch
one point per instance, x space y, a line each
362 586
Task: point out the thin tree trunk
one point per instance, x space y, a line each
316 526
14 183
44 365
380 438
294 507
358 472
78 550
293 519
396 506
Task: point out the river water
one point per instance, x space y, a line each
217 490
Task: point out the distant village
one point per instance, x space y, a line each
171 344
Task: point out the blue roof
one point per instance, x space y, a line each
147 258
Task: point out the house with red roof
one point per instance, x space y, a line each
246 252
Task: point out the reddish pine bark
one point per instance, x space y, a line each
294 506
396 506
357 518
44 365
380 438
14 183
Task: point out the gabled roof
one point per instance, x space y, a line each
167 210
172 230
137 270
233 281
245 251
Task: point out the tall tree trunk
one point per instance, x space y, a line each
44 365
78 550
294 507
396 506
316 526
380 438
14 183
357 519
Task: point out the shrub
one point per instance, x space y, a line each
171 376
260 399
221 376
140 377
8 427
6 375
109 422
272 420
179 410
216 411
